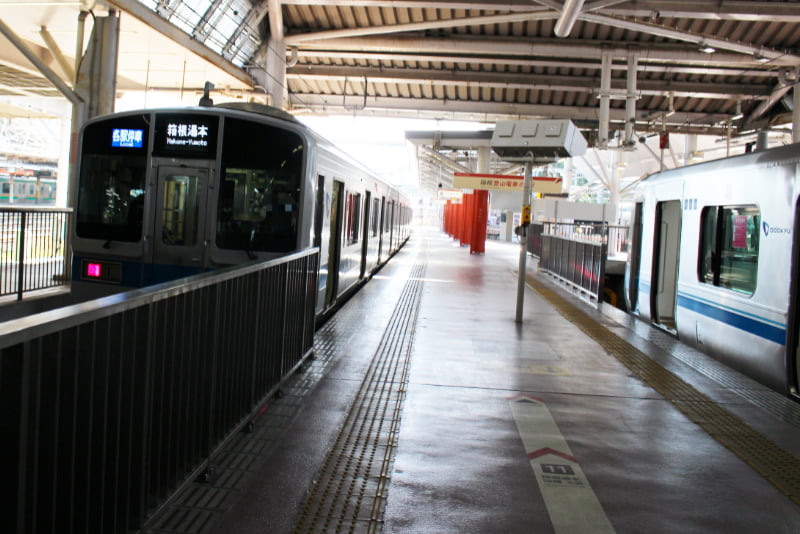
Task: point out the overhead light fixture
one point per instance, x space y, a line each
759 58
706 48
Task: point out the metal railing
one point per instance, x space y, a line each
33 249
577 253
109 406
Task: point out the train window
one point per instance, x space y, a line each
5 189
353 210
112 182
111 197
375 215
729 238
259 196
180 211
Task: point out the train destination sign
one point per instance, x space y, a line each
186 135
502 182
127 137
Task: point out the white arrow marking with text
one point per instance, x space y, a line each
570 500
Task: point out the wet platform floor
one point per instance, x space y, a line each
428 409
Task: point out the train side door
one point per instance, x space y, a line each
793 333
178 234
634 259
380 229
335 244
666 248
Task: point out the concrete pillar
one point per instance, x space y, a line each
275 79
96 81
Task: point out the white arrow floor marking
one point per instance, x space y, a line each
570 500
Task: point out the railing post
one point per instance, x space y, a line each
21 257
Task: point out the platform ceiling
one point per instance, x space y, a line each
702 67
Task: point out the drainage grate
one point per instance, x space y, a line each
779 467
349 493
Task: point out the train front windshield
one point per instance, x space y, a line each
259 196
112 181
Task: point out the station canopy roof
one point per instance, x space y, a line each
720 68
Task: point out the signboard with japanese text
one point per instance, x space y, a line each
186 135
501 182
450 194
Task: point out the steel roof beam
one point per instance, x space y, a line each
692 9
486 111
539 48
662 31
163 26
542 14
527 81
409 57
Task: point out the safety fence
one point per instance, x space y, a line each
33 249
577 253
108 406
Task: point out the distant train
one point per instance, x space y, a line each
167 193
26 187
715 259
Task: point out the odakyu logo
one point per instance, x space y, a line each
774 229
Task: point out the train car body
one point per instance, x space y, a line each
714 260
167 193
27 189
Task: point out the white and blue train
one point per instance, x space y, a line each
167 193
715 260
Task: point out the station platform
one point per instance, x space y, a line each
428 409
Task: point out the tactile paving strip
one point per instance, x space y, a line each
349 493
779 467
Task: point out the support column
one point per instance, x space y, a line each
469 203
605 100
523 238
630 101
96 81
480 216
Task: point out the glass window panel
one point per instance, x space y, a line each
180 211
708 244
260 191
729 243
739 250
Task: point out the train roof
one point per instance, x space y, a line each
778 156
260 109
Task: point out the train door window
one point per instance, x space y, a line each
5 189
180 211
259 197
666 248
319 211
353 217
729 242
337 205
375 217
